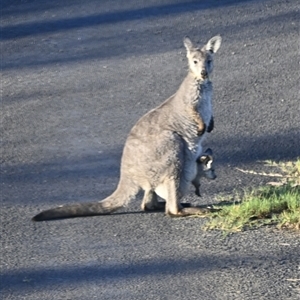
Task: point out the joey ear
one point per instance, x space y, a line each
208 151
214 44
188 44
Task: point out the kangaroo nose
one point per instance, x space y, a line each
203 73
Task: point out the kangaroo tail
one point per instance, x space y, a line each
110 204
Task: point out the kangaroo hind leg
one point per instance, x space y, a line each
150 202
173 205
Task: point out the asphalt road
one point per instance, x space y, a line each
75 77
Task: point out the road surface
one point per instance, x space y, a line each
76 76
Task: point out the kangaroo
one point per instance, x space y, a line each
160 152
204 169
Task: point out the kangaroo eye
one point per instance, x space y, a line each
195 62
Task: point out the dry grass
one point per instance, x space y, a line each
278 203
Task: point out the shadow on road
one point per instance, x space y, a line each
234 151
41 27
26 280
65 48
104 167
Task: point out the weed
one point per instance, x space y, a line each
277 203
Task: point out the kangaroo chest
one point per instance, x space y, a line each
204 107
205 102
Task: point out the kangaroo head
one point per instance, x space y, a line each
205 162
201 60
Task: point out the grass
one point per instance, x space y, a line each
278 203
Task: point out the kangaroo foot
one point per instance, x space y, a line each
194 210
161 205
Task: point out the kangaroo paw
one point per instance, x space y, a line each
201 130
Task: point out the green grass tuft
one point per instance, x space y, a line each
273 204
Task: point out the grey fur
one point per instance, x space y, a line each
161 149
205 169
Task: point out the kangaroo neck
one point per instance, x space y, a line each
191 89
187 117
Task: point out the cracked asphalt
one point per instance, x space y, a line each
75 77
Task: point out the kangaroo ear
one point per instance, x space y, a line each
208 151
214 44
188 44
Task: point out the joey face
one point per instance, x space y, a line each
205 162
201 60
208 169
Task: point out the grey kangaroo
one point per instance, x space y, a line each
160 152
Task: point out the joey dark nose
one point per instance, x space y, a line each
203 73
